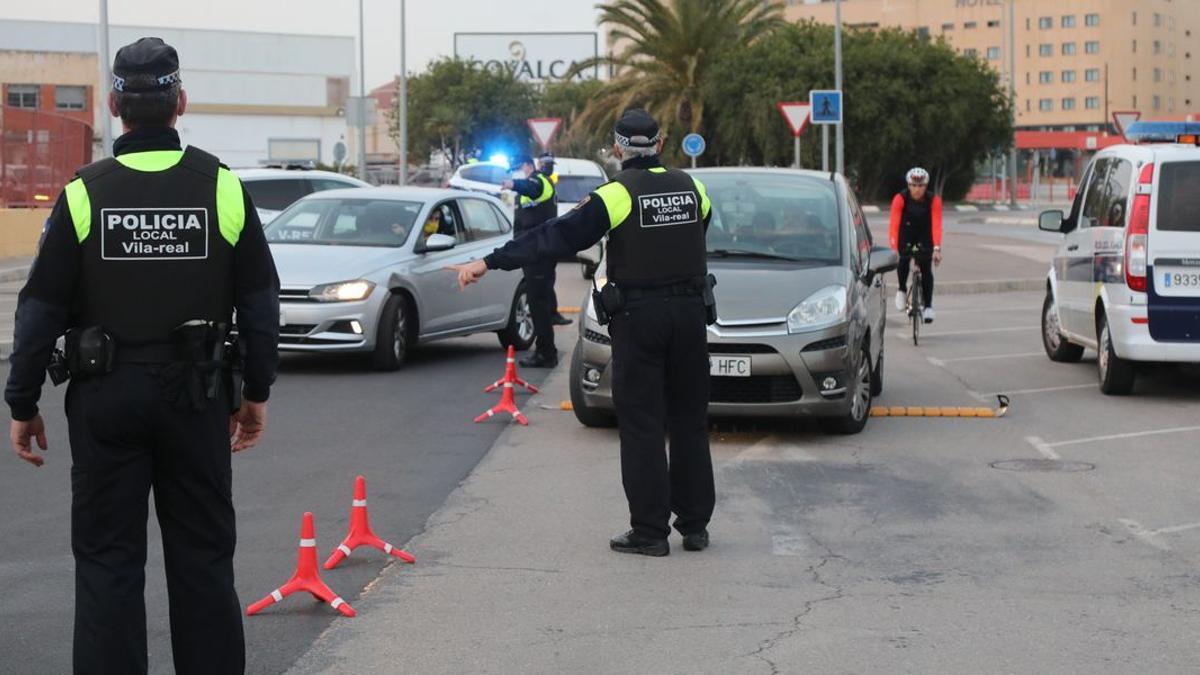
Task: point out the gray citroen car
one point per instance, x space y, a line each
363 271
800 304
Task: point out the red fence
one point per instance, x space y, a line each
1050 192
39 153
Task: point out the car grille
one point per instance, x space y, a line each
747 348
755 389
294 295
831 343
599 338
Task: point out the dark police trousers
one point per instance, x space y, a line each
660 387
125 439
543 303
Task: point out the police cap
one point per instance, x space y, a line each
146 65
522 160
636 128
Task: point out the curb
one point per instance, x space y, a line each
14 273
990 286
6 347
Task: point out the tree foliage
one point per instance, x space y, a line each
908 102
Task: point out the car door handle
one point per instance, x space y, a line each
1073 247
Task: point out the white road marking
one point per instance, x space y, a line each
788 544
769 449
988 310
979 331
990 357
966 208
1135 528
1177 528
1042 447
1117 437
1041 390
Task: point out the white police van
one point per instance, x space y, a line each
1126 278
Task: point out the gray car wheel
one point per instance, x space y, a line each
859 391
1116 374
392 335
1057 347
518 334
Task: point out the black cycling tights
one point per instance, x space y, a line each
925 262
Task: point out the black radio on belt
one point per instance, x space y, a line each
89 351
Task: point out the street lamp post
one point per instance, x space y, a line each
402 103
1012 102
837 58
362 98
105 83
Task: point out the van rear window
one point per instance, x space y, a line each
1178 197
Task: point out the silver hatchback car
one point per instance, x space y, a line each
800 304
363 270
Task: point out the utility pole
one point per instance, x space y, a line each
362 98
1012 102
105 84
837 76
402 102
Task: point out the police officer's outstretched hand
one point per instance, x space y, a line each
22 435
469 273
247 425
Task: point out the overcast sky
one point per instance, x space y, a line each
431 23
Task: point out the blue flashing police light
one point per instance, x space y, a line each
499 158
1160 132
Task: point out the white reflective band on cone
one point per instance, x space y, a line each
508 385
387 548
276 595
344 549
337 602
359 502
309 543
510 360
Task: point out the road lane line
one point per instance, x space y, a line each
1117 437
1041 446
1176 528
1135 528
990 357
979 331
1042 390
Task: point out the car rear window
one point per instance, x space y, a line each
1178 198
346 222
785 216
277 194
572 189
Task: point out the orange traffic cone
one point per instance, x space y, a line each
305 578
508 401
360 531
510 375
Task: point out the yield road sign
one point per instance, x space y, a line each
544 129
796 114
1123 118
826 106
693 145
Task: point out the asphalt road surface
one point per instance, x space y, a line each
410 433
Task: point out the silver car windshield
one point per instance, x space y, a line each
345 222
762 216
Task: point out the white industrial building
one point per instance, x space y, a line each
252 97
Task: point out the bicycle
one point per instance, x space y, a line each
915 299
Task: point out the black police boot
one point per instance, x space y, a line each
696 541
638 544
540 360
560 320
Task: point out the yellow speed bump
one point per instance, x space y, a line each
946 411
569 310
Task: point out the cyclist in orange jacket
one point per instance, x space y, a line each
915 232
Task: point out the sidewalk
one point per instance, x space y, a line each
13 272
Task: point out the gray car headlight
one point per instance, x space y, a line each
826 307
343 291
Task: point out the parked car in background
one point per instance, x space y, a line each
800 304
361 273
484 177
273 190
1126 278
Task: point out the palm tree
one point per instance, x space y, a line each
667 49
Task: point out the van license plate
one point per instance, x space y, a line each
1177 281
729 366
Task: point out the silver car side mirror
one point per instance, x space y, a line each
437 242
1050 221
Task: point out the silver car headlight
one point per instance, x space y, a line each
342 291
826 307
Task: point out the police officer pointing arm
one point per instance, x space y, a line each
659 301
144 258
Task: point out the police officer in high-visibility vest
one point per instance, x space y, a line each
536 204
144 258
659 298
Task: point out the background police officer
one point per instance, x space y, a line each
655 219
536 204
136 246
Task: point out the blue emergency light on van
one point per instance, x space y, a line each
1160 132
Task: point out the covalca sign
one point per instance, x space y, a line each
534 57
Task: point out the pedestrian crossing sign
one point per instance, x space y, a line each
826 106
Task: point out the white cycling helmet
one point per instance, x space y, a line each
917 176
